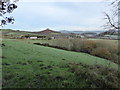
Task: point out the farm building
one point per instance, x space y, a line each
33 38
63 36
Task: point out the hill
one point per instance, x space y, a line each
14 32
109 32
47 31
80 32
31 66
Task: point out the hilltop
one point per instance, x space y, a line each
46 31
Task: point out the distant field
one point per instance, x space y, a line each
109 42
32 66
113 42
31 49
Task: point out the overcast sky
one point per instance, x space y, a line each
36 15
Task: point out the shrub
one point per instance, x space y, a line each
96 76
75 44
101 52
115 58
88 46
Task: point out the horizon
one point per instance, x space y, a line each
55 30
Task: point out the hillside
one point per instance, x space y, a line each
81 32
31 66
15 32
47 31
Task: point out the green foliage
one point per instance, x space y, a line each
32 66
96 76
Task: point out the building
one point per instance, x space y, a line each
33 38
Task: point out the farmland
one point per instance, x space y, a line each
26 65
58 63
59 44
103 48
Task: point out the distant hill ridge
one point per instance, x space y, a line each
47 31
110 32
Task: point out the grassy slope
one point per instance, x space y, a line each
27 65
14 32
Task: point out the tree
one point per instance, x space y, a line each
7 6
113 21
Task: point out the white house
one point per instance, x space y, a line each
33 37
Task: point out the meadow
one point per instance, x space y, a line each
107 49
26 65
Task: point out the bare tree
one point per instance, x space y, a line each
113 18
7 6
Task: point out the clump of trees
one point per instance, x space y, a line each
7 6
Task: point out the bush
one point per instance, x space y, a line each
75 44
96 76
101 52
88 46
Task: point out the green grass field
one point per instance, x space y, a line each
32 66
107 49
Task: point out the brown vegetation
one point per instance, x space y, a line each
96 76
98 48
101 52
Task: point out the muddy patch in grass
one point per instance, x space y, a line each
3 57
4 63
22 63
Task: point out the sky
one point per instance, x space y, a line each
72 15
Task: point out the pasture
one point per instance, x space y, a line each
25 65
107 49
